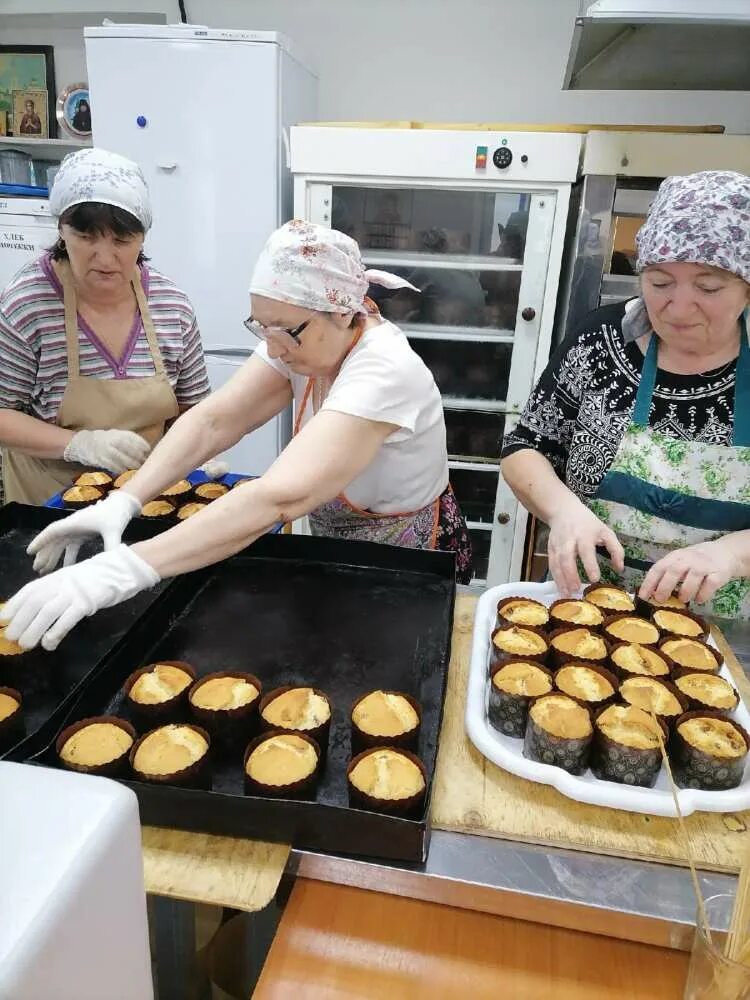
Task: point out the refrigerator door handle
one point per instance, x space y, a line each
287 147
167 165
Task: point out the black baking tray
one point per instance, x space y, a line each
51 680
340 616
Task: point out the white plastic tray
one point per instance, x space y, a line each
507 752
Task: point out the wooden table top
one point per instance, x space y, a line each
337 941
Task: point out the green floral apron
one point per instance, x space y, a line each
662 493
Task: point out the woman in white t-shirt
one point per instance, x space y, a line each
368 459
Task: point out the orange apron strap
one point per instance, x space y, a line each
311 383
303 405
148 325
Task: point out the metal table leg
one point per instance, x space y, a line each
177 975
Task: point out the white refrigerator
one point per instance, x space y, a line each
26 231
206 114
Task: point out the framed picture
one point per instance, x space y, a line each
27 67
74 110
30 118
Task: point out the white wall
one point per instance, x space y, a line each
70 62
425 60
456 60
63 32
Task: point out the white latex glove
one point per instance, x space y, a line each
116 451
48 609
214 468
108 518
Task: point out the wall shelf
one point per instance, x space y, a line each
41 146
91 11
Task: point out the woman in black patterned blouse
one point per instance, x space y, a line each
632 441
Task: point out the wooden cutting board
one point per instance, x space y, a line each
473 795
220 871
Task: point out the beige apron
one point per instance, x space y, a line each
143 405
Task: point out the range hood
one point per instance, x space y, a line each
660 45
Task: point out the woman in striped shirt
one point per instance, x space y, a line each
99 351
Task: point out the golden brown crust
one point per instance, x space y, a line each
584 683
211 491
159 683
124 478
680 622
575 612
223 693
519 677
712 736
281 759
523 611
96 744
632 629
609 598
652 694
9 704
82 494
178 489
301 708
631 658
190 510
561 716
580 643
708 689
169 750
385 713
629 726
520 641
387 774
158 508
691 653
95 478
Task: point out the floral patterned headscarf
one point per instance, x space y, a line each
701 218
98 175
317 268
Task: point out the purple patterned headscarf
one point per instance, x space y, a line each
701 218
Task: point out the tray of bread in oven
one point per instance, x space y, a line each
586 693
292 693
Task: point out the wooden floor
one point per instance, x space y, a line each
339 943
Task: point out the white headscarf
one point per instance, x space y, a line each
98 175
317 268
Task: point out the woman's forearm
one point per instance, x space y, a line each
32 436
253 396
190 441
737 544
224 528
315 466
536 484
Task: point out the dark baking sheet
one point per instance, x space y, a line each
344 617
49 682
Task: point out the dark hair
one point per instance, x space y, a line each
95 218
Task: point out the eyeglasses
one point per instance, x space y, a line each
262 332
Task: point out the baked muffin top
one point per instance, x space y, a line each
282 759
387 774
